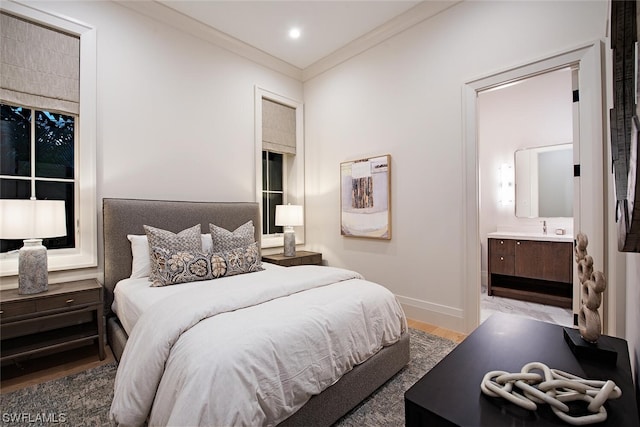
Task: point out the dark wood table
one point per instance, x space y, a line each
449 394
300 258
65 316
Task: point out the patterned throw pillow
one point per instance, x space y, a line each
190 266
224 240
186 240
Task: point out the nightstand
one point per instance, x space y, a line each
300 258
67 315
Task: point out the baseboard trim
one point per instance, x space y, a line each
435 314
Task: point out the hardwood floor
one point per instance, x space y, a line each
70 362
456 337
52 367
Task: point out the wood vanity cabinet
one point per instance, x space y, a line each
531 270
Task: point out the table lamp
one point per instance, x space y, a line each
289 216
32 220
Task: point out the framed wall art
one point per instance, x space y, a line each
365 198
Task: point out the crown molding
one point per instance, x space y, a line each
171 17
400 23
417 14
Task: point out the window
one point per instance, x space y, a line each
279 160
272 190
37 160
48 127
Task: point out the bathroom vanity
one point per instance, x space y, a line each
531 267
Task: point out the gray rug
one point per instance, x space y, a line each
385 407
84 399
81 399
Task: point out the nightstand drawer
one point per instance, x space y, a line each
296 261
69 300
16 308
315 259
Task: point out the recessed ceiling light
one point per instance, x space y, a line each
294 33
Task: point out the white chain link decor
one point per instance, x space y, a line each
553 387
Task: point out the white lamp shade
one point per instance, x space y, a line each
32 219
289 215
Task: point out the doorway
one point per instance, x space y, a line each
525 156
589 215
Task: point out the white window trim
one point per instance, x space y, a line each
292 169
85 254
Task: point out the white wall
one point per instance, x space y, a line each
404 97
175 113
536 112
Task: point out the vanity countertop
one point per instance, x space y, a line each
549 237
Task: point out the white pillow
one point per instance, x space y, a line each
141 264
207 243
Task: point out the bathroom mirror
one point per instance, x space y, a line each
544 182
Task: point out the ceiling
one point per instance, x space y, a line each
326 26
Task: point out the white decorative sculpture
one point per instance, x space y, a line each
553 387
593 283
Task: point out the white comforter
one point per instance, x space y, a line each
251 349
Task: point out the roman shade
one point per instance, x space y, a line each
39 66
278 127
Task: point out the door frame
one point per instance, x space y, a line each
590 152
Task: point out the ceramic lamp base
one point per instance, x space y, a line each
32 268
289 243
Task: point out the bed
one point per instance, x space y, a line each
334 398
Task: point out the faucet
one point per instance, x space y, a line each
544 227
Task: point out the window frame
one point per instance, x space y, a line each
85 253
284 184
292 166
33 178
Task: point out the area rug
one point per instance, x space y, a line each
385 407
84 399
81 399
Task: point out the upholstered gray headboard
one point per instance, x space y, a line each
127 216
